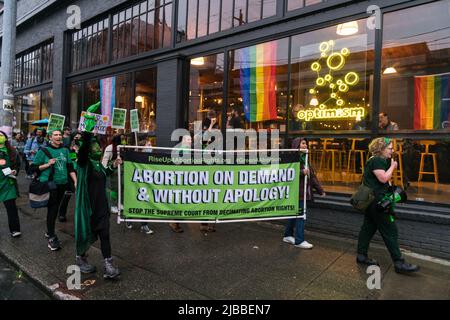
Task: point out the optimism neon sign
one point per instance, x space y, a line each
335 61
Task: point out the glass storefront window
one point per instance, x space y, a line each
145 100
206 89
198 18
31 107
415 90
332 79
258 85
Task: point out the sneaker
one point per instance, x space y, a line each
54 244
403 267
16 234
304 245
46 235
129 225
146 229
110 271
114 210
290 240
364 259
85 267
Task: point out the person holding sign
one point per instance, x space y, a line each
312 183
8 184
54 161
92 211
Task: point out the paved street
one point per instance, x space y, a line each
239 261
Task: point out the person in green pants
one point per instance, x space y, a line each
8 183
377 174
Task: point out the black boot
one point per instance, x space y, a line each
364 259
403 267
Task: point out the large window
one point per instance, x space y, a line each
31 107
258 84
89 46
415 91
116 91
34 67
198 18
332 79
143 27
206 88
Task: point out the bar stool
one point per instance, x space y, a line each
423 155
328 155
397 176
353 152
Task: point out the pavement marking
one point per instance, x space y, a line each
426 258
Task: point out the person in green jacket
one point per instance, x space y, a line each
8 183
61 164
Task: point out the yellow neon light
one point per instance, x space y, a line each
343 88
316 67
345 52
331 63
312 91
339 113
329 78
324 47
349 81
332 86
320 81
340 102
334 95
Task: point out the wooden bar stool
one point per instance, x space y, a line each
397 176
353 152
423 155
328 158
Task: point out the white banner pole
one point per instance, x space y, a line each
306 185
119 200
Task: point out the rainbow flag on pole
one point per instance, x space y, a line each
432 102
108 96
258 81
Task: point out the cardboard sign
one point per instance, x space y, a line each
134 120
119 118
100 127
56 122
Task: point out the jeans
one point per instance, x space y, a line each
54 202
299 225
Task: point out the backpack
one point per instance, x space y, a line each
39 192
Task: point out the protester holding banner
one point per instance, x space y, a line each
312 184
8 183
54 165
92 211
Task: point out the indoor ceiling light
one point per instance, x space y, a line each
198 61
347 29
390 70
139 99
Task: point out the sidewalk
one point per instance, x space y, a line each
239 261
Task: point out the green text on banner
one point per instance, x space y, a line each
119 118
134 120
56 122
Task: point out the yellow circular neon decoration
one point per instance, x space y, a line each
331 63
312 91
348 78
320 81
343 88
328 77
345 52
316 67
324 55
339 82
322 106
334 95
324 47
332 86
340 102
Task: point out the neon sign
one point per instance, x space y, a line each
335 61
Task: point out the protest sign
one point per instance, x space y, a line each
119 118
100 126
56 122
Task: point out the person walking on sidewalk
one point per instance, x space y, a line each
313 184
54 160
377 174
32 147
92 212
8 184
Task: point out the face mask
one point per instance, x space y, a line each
2 139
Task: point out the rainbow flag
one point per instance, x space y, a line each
258 81
432 102
108 96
